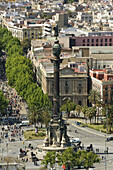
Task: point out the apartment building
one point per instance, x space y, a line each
102 81
91 41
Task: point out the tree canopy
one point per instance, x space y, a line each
19 72
26 44
69 158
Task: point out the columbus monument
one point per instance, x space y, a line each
56 136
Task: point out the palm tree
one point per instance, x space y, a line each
98 105
33 116
94 98
107 111
78 109
90 113
84 110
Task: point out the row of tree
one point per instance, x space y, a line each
19 72
89 112
69 158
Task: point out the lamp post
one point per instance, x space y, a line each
7 148
2 156
105 154
106 121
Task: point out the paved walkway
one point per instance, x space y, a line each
15 101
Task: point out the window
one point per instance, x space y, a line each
92 40
110 40
104 66
52 83
101 44
79 91
105 39
105 100
28 33
87 40
80 102
66 83
105 44
84 41
66 91
106 88
98 66
83 44
25 34
101 40
110 44
80 83
92 44
96 44
87 44
96 40
112 87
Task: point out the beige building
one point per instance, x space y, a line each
73 85
33 31
73 75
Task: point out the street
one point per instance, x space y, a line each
86 135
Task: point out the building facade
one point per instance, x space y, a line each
25 30
102 81
91 41
73 85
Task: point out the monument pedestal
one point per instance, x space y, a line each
56 135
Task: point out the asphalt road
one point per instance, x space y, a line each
86 135
89 136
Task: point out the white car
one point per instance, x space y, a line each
75 140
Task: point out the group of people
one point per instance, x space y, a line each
15 102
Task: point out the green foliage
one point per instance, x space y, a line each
13 41
107 111
94 97
19 72
7 36
70 159
84 110
68 106
87 159
15 49
78 109
26 44
50 158
70 1
3 103
90 113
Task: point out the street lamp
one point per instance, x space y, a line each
105 154
7 148
2 156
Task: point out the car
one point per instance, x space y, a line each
109 139
75 140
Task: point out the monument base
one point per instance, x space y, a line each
56 137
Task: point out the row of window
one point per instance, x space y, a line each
97 40
106 88
67 83
110 44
